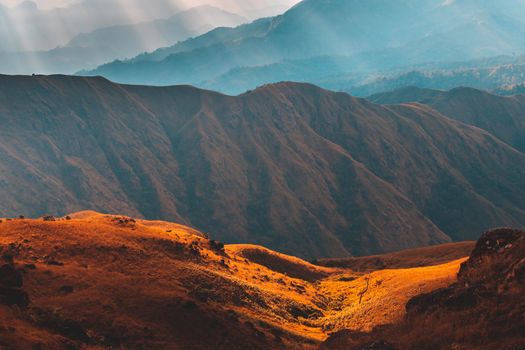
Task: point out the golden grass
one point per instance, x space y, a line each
124 273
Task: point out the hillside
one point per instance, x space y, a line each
95 281
501 116
483 310
426 256
290 166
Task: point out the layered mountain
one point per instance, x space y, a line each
118 42
291 166
503 78
501 116
377 35
28 27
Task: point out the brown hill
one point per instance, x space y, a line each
426 256
485 309
290 166
96 281
501 116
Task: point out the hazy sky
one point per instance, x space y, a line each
46 4
41 3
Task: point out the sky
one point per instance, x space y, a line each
43 4
48 4
58 21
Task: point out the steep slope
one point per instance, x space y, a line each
293 167
377 34
483 310
501 116
104 281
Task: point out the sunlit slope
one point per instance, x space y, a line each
380 297
103 280
484 310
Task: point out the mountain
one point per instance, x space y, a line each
29 28
90 280
475 74
379 34
509 90
482 310
501 116
109 43
291 166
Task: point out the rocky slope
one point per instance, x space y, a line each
290 166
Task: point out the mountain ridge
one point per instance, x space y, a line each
291 166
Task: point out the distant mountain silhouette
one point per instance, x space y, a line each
374 35
27 27
500 74
119 42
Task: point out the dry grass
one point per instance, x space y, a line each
147 284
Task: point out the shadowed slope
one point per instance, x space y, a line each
290 166
426 256
501 116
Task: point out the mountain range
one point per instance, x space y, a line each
26 27
502 75
109 43
294 167
375 36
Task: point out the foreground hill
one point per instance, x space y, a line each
290 166
97 281
483 310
